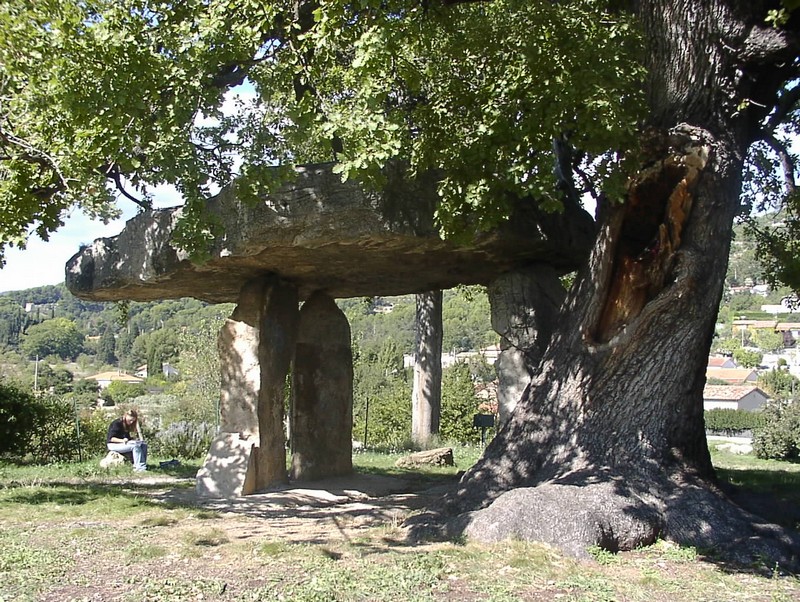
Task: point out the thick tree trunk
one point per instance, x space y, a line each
427 391
607 445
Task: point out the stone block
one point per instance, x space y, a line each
112 458
229 469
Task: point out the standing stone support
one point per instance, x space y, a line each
322 392
426 397
524 312
256 346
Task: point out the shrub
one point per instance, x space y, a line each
779 437
184 440
54 438
733 421
38 429
19 415
94 428
120 392
459 405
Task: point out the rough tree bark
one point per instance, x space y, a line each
607 445
426 397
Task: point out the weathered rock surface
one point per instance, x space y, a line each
441 456
322 393
321 234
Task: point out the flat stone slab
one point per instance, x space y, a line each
318 233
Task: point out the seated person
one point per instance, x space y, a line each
120 440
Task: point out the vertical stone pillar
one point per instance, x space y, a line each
524 312
426 396
322 392
256 346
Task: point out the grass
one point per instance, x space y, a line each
71 532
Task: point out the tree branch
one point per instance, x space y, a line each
786 104
785 159
113 174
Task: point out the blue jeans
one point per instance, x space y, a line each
139 449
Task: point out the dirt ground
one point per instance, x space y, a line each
318 511
335 515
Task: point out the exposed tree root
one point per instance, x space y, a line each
616 514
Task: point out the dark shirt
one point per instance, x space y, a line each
117 429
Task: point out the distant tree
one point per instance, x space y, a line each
11 322
120 392
153 348
198 363
747 358
58 381
106 347
459 405
59 337
780 384
85 392
728 345
768 341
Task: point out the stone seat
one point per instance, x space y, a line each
113 458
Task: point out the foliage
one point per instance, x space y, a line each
18 417
459 405
120 392
779 438
94 425
58 381
106 348
130 94
768 341
59 337
41 429
184 440
780 384
732 421
198 363
747 358
385 414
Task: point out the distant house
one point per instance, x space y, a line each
721 362
166 369
753 325
106 378
733 398
790 332
733 376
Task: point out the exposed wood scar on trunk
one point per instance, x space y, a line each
658 204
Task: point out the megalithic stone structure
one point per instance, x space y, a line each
525 307
322 393
317 234
256 347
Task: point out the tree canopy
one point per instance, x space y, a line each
111 98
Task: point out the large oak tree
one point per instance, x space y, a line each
650 105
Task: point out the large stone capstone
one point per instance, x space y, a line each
322 234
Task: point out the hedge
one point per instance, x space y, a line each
732 421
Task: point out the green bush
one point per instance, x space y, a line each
183 440
94 429
55 438
388 422
19 415
120 392
459 405
731 422
779 437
